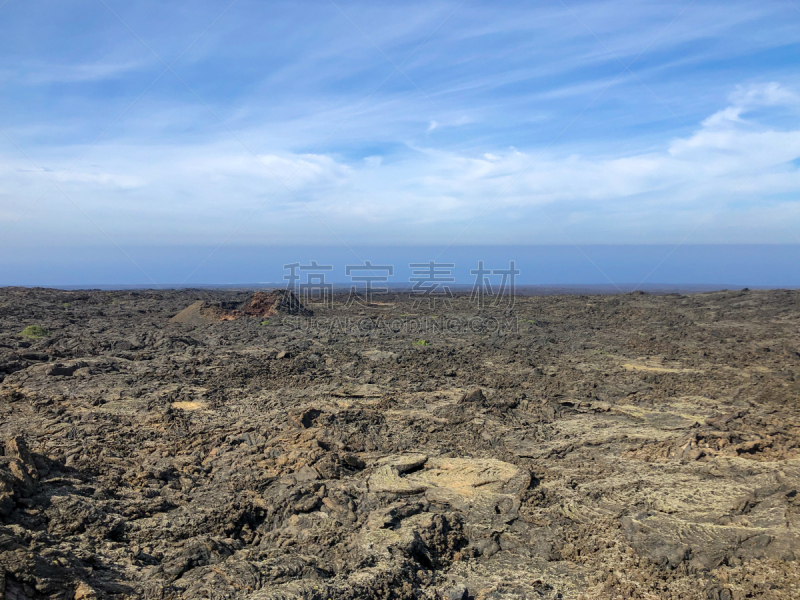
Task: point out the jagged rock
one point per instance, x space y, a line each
404 462
267 304
670 541
609 446
6 495
475 396
457 592
261 304
203 313
387 479
471 477
84 592
16 447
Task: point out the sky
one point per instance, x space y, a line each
127 126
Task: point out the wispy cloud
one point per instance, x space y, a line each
47 73
382 158
729 154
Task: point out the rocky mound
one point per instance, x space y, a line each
262 304
266 304
201 312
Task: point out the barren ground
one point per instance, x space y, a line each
630 446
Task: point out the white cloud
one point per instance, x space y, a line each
770 94
45 74
206 191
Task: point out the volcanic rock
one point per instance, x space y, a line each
202 313
600 447
475 396
261 304
266 304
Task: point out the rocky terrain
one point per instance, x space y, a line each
629 446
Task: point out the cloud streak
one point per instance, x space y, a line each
431 192
491 90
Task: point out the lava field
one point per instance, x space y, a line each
220 444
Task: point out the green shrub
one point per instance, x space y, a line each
421 343
34 332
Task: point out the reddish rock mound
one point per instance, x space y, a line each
262 304
266 304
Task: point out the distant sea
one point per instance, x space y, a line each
602 266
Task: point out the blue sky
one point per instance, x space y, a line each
430 123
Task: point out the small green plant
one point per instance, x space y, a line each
264 323
34 332
421 343
531 321
65 305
